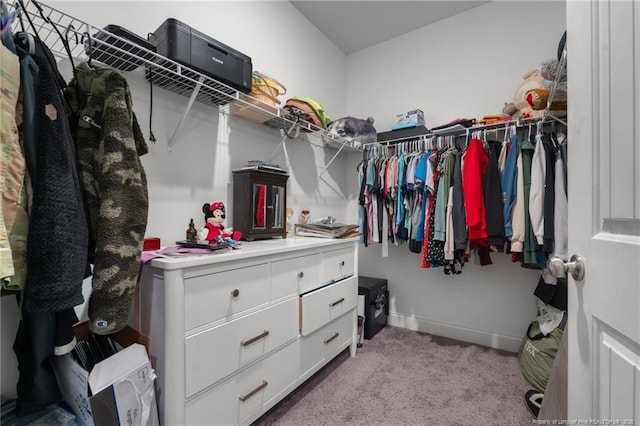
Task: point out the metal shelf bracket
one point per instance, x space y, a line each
192 99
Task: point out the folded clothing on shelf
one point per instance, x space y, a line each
458 122
309 110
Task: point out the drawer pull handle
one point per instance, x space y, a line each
235 293
255 339
326 341
342 263
337 302
253 392
300 274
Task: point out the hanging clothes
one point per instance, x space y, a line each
537 190
460 235
492 188
560 216
419 176
58 228
58 245
549 194
402 215
518 218
27 122
475 166
432 251
509 185
440 228
109 144
12 169
362 209
530 252
445 202
372 201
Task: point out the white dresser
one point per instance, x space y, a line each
233 333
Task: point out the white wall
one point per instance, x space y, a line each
465 66
281 42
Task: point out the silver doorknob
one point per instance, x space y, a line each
559 268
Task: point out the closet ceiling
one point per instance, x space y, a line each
356 25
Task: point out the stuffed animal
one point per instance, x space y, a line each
355 130
213 230
530 98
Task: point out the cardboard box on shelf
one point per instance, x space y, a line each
411 118
117 390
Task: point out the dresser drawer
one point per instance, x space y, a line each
235 399
327 303
338 264
215 353
325 343
212 297
295 275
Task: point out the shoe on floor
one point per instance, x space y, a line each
533 401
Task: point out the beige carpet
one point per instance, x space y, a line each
403 377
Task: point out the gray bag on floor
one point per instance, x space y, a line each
537 353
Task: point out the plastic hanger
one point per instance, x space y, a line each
88 42
22 38
26 41
54 26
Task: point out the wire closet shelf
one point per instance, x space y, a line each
87 42
475 131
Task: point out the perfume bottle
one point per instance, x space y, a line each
192 233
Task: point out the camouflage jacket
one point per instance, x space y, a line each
109 144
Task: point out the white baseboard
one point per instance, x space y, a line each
492 340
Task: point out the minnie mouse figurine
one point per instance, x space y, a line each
213 230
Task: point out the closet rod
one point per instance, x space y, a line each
493 126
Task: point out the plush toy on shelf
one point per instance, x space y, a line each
531 97
355 130
213 230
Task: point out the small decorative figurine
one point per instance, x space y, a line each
304 216
213 230
289 221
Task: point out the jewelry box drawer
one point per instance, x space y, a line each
295 275
214 296
327 303
215 353
232 401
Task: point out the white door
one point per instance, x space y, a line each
603 45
